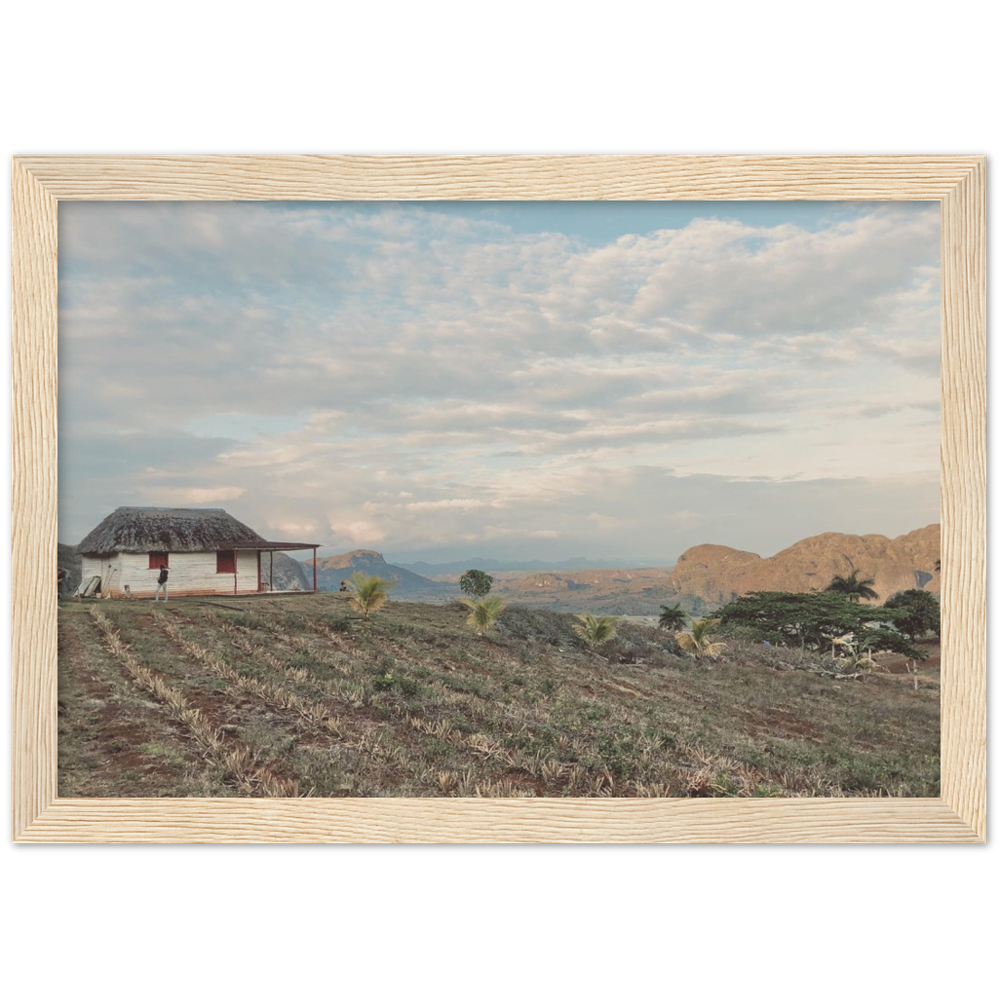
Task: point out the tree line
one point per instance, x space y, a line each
829 621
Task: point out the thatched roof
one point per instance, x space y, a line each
174 529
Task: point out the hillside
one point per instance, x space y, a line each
331 570
69 559
704 578
717 574
708 576
287 573
600 591
299 696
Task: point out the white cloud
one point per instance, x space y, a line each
162 496
292 529
422 376
355 532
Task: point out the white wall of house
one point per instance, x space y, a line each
97 566
246 570
190 573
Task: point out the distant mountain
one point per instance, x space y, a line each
704 578
331 570
718 574
507 565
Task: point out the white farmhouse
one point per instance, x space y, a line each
207 551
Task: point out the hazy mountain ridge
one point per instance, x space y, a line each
331 570
705 577
457 567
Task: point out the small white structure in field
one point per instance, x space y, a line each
206 551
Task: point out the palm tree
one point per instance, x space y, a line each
672 619
483 613
699 639
853 588
594 631
370 592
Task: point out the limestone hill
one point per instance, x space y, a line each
718 574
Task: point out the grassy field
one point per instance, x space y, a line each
300 696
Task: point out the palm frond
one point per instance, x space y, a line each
370 592
698 639
483 613
594 631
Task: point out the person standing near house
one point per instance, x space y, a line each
161 584
63 577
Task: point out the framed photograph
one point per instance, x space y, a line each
499 499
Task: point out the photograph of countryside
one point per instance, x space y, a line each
499 499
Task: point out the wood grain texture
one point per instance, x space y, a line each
375 178
33 555
963 498
500 820
957 181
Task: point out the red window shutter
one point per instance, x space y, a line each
158 559
225 562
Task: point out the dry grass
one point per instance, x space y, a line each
236 760
272 694
411 703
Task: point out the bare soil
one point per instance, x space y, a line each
413 703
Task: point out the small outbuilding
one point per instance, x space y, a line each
207 551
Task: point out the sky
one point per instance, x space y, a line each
444 380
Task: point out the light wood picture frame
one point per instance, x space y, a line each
40 183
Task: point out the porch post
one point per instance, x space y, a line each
314 569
